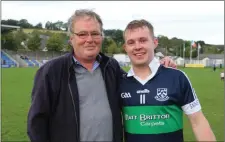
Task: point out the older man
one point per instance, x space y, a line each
74 96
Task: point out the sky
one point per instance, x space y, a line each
189 20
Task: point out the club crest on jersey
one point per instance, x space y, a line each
161 94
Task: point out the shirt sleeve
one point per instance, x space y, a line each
190 101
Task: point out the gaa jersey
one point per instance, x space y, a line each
153 110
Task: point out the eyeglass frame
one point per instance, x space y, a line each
89 34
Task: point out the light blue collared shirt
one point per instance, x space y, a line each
95 66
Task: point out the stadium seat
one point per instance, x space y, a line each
29 63
35 62
6 62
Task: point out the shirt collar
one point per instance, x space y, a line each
98 59
154 65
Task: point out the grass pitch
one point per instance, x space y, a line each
16 96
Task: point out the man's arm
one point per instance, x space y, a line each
201 127
38 116
192 108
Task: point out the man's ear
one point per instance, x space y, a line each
156 42
124 47
71 38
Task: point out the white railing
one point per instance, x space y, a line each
205 62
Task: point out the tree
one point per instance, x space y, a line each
177 45
38 26
188 50
58 25
65 26
105 45
34 42
64 36
24 24
48 25
116 35
122 49
11 22
163 41
194 53
67 47
118 50
55 42
65 39
8 41
21 37
4 22
202 43
112 49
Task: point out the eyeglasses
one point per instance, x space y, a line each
84 35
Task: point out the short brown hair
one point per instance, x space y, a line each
139 24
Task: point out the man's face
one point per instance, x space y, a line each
88 40
139 45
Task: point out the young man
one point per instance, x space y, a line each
153 97
73 98
214 67
222 75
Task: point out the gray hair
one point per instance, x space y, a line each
82 13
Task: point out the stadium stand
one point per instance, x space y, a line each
32 58
35 63
29 63
7 62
